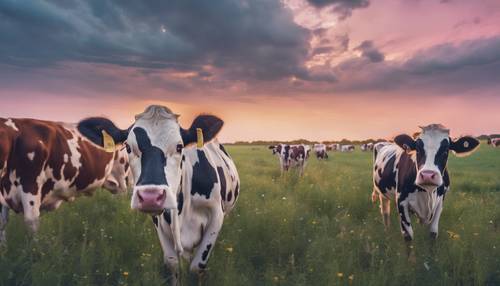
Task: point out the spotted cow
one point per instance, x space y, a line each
44 163
414 172
494 142
320 151
366 147
188 188
292 156
347 148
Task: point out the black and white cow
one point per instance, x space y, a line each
187 188
366 147
494 142
333 147
291 156
414 173
347 148
44 163
320 151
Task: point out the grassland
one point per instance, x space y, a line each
321 229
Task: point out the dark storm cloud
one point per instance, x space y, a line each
368 50
342 7
245 39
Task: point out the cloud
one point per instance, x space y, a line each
342 7
243 39
369 51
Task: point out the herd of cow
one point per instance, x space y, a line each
185 179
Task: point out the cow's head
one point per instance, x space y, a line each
154 144
430 152
116 182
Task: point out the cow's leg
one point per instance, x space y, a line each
170 257
433 228
199 263
385 210
4 219
404 218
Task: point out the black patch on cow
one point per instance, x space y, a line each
223 150
407 173
441 157
166 216
287 152
32 203
229 196
441 191
387 175
421 155
153 160
204 176
155 220
92 129
180 201
237 191
222 178
202 265
205 253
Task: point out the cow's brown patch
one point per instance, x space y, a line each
94 161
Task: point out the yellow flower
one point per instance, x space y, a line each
340 274
351 277
276 278
229 249
125 273
453 235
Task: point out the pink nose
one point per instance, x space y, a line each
151 200
429 177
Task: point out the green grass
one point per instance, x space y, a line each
321 229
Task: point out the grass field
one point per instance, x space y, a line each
321 229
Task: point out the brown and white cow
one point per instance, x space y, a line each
320 151
414 172
494 142
44 163
292 156
187 187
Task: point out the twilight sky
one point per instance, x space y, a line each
314 69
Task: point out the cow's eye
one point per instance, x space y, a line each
179 148
128 148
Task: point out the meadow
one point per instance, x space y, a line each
321 229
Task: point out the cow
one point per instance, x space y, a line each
367 147
184 178
44 163
414 173
333 147
494 142
320 151
347 148
291 156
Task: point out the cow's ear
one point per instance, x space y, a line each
406 142
464 146
209 124
92 129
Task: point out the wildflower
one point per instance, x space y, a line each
125 273
276 278
453 235
340 274
229 249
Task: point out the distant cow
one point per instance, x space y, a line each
333 147
187 188
291 156
320 151
44 163
366 147
494 142
414 173
347 148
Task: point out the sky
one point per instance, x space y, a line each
271 69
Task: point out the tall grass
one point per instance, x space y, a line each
321 229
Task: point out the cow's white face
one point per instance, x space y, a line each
155 153
116 182
154 145
430 153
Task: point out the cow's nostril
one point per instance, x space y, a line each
161 197
141 199
433 175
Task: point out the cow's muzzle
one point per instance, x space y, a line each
151 200
429 178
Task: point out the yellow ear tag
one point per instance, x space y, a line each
108 142
199 137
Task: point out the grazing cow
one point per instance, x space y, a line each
494 142
347 148
414 173
320 151
333 147
367 147
44 163
292 156
187 188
